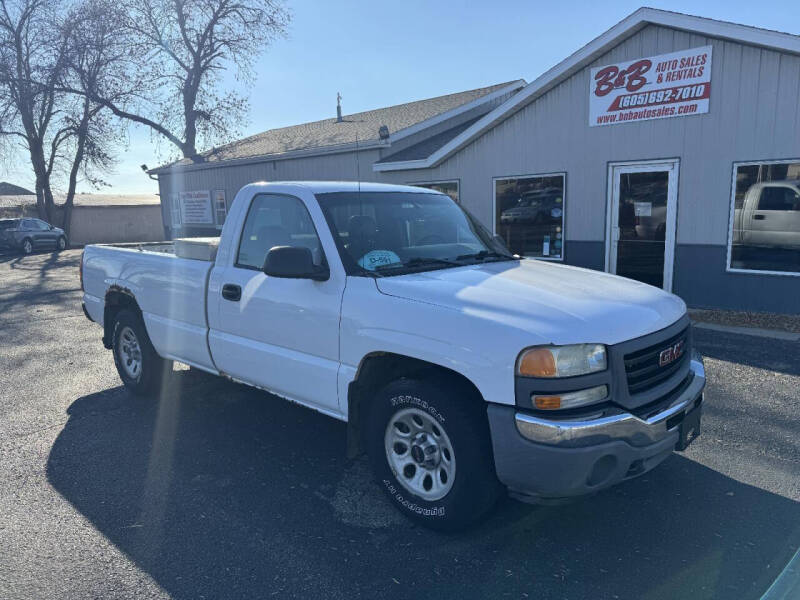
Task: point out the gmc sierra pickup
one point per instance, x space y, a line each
461 369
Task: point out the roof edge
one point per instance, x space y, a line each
517 84
631 24
305 153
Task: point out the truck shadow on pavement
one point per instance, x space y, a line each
220 491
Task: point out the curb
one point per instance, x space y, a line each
754 331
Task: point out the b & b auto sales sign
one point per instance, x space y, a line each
670 85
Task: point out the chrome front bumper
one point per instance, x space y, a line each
622 426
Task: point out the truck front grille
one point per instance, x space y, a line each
643 368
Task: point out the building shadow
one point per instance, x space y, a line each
220 491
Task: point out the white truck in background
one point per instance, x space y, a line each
769 216
461 369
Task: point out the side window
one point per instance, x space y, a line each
529 214
774 198
275 220
777 198
772 242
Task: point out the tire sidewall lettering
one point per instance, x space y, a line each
435 511
408 400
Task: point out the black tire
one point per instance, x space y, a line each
27 246
474 488
61 244
147 379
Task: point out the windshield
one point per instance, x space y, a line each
390 233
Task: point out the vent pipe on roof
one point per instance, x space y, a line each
383 132
338 107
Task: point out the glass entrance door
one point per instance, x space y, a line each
642 232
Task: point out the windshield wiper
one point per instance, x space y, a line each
483 255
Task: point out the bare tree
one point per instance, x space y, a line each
171 59
30 60
64 134
89 31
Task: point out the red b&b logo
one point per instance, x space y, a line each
632 78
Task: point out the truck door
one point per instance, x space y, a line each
279 334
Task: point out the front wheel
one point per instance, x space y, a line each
141 369
430 450
62 243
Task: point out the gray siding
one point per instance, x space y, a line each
337 167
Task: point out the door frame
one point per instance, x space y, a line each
672 167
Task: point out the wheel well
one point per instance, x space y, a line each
116 300
377 370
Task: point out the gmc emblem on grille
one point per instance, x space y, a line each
671 354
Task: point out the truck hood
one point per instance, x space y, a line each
556 303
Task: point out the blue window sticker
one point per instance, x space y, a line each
376 258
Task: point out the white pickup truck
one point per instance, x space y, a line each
769 216
461 369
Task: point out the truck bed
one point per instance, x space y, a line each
194 248
170 290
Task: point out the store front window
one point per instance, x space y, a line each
765 228
445 187
529 215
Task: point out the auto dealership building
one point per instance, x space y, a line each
666 150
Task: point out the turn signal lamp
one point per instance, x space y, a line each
537 362
570 400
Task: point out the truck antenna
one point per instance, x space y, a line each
358 166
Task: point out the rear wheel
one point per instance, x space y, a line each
141 369
430 450
27 246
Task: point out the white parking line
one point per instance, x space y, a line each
756 331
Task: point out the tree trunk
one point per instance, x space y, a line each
44 194
83 130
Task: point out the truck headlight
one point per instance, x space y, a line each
562 361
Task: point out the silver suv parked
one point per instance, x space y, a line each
27 235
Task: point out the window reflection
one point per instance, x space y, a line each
766 220
642 226
445 187
530 215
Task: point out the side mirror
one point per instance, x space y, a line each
51 228
290 262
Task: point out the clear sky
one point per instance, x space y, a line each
378 53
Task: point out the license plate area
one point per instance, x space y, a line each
689 428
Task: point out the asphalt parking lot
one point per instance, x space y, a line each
216 490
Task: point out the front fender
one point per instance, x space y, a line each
483 352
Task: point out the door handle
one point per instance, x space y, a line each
232 292
759 217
